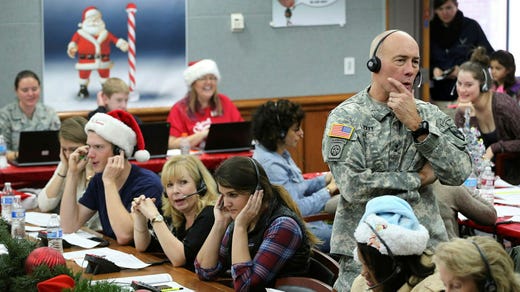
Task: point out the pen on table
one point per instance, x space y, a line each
172 289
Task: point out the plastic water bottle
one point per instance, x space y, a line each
3 152
54 233
471 182
17 219
184 144
487 183
7 201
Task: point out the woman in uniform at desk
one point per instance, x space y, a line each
25 114
187 204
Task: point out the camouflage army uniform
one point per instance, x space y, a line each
380 157
13 121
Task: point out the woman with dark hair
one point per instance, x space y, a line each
25 114
258 232
494 114
189 194
452 37
503 70
276 128
202 105
391 247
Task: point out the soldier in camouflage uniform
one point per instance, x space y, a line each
382 141
27 113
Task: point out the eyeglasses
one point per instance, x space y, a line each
208 78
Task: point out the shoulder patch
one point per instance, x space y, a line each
336 149
341 131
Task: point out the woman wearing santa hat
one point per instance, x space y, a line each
111 139
201 106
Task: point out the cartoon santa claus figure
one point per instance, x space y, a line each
92 43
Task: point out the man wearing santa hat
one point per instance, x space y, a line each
92 43
111 139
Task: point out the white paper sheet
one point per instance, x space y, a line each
80 240
121 259
37 218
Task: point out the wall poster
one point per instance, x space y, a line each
142 42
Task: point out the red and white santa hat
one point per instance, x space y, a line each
200 68
120 128
89 12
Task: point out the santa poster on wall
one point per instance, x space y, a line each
86 42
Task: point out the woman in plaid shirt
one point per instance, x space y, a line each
258 231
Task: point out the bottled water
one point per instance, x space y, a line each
7 201
17 219
54 233
3 152
487 183
471 182
184 144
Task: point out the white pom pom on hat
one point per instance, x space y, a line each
120 128
200 68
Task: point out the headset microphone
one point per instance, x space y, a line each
200 191
452 92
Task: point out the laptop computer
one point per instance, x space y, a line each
38 148
156 137
229 137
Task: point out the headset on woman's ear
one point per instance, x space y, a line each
489 282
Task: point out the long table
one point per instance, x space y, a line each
37 176
503 229
180 275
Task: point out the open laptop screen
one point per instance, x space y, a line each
38 148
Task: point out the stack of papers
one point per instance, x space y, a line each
121 259
161 281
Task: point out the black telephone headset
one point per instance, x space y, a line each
489 283
374 63
282 132
257 172
484 87
396 267
201 188
116 150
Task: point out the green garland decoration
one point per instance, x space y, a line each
14 278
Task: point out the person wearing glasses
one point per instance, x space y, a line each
392 249
202 105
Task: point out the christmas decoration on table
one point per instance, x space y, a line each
92 44
474 144
28 268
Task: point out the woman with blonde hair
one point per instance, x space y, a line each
187 205
477 263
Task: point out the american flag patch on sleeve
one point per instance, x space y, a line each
341 131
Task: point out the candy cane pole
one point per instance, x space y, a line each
131 9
